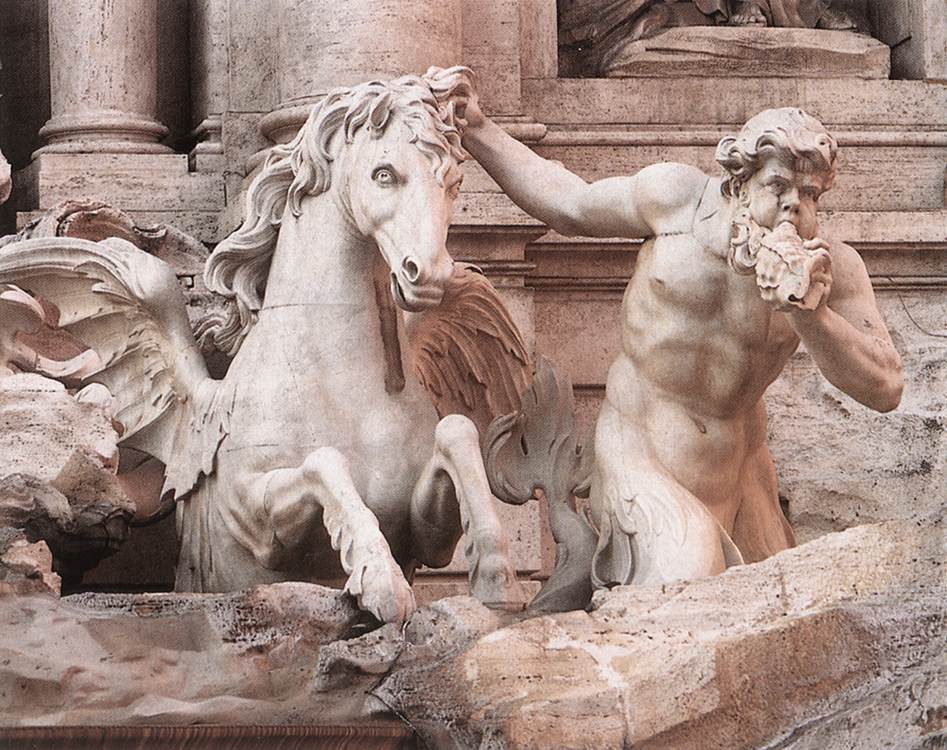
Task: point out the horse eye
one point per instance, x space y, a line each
384 176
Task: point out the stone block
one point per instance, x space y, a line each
201 225
539 52
752 52
130 182
837 644
491 39
908 106
251 47
916 32
880 177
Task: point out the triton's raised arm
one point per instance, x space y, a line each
612 207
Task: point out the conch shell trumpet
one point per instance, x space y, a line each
784 269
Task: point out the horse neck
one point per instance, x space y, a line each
320 259
332 282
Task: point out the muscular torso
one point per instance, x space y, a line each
699 348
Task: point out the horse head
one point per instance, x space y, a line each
399 175
389 152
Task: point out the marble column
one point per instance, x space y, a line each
103 78
321 45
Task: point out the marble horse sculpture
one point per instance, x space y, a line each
319 454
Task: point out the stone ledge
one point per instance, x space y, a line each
129 183
751 52
909 105
367 736
876 230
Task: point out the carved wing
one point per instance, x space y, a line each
127 306
468 352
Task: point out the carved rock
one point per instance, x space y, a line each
26 568
168 658
838 643
95 220
58 458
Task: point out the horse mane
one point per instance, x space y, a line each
239 266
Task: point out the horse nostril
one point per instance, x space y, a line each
412 271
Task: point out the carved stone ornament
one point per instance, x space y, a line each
597 37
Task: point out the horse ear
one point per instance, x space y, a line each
381 109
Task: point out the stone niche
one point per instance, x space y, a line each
835 644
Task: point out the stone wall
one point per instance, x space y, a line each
238 76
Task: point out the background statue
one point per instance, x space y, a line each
733 275
315 457
593 32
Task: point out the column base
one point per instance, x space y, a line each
105 132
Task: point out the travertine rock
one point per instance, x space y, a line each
26 568
751 52
168 658
42 426
58 457
835 644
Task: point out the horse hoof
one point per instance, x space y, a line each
494 584
385 593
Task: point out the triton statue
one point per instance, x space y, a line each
732 276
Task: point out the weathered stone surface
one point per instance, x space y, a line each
26 568
835 644
905 105
58 457
838 643
882 176
103 77
169 658
752 52
42 426
131 182
840 465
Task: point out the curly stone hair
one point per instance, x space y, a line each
789 133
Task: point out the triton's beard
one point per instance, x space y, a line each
746 237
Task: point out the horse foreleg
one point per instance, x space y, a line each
453 493
284 504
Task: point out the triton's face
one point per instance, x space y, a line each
779 192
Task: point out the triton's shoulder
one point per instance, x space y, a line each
667 188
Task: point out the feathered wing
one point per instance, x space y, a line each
127 306
468 352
